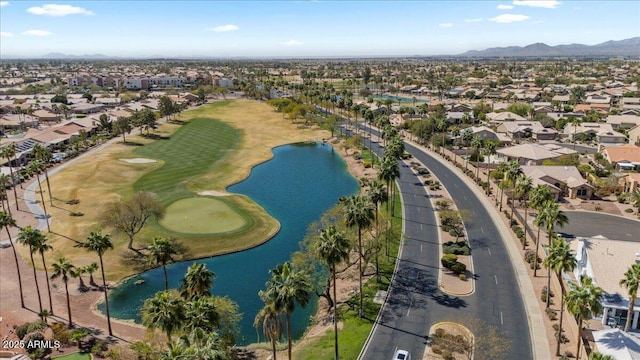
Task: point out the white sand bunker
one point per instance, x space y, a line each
139 161
213 193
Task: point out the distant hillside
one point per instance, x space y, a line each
61 56
627 47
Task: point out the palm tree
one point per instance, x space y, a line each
378 194
163 311
197 282
91 268
389 171
634 197
286 287
631 281
271 322
41 246
599 356
501 169
511 174
560 259
575 122
99 243
583 300
489 149
358 212
36 167
539 195
77 273
4 183
551 216
161 253
29 236
5 221
43 154
201 313
333 247
524 184
476 143
63 268
8 152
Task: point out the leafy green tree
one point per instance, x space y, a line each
599 356
164 311
62 269
99 243
288 287
105 125
583 301
521 109
29 236
560 259
358 213
197 282
549 217
6 221
122 126
333 247
631 281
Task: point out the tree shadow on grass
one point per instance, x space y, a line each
131 143
156 137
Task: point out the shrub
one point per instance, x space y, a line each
98 347
436 349
552 316
448 260
440 333
26 328
462 276
457 248
444 204
61 333
434 186
447 355
543 294
568 354
529 256
629 211
459 268
366 164
76 213
33 349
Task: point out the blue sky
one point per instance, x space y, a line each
304 28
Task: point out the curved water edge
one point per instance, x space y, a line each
296 186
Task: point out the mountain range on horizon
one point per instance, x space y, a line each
626 47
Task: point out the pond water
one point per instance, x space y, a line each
296 187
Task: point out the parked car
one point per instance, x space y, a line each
402 355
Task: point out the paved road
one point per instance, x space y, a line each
415 303
587 224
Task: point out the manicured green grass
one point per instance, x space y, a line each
189 153
202 215
74 356
352 337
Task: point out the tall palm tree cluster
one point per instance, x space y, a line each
206 324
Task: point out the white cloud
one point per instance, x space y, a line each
473 20
505 7
37 33
6 34
548 4
446 25
292 43
224 28
4 3
58 10
509 18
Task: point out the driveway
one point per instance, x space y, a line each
587 224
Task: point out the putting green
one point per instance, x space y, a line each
202 215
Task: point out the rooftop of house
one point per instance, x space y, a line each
535 151
626 152
566 174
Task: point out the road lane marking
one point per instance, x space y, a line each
489 250
418 209
501 318
482 229
420 247
496 277
410 302
421 227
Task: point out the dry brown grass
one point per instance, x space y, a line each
103 177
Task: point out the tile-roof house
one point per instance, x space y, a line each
630 182
527 129
634 135
533 154
566 179
623 121
626 157
504 116
604 133
606 261
487 134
